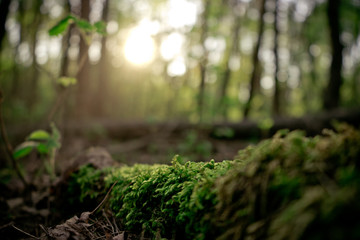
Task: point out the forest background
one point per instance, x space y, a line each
194 61
150 80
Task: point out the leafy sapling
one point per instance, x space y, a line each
87 31
46 144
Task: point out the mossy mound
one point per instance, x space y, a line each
287 187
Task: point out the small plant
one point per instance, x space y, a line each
46 144
43 142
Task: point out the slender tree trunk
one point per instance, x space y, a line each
33 95
256 72
4 10
83 76
204 60
332 91
66 44
276 100
233 49
103 79
16 89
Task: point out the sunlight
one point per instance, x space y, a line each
177 67
171 46
139 47
181 13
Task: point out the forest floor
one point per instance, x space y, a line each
43 205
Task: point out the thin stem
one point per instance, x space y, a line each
106 196
28 234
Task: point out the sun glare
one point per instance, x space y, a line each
139 47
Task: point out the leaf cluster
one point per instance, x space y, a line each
40 140
85 26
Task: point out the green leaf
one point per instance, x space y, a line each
43 149
100 27
61 26
39 135
84 25
24 149
67 81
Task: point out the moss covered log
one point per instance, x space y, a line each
286 187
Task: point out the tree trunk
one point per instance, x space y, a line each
103 78
332 91
4 10
204 60
233 49
276 100
83 73
256 72
16 88
33 95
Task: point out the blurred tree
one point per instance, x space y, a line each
256 67
332 91
276 99
83 90
102 95
4 10
35 21
204 59
232 50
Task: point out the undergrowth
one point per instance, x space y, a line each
286 187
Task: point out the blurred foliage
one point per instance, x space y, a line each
116 88
287 187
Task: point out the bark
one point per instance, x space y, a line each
4 10
16 87
204 60
332 91
233 49
256 72
33 94
103 78
276 100
82 106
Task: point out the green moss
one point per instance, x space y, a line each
287 187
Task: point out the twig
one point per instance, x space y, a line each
44 229
8 146
115 224
106 196
7 225
28 234
108 221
